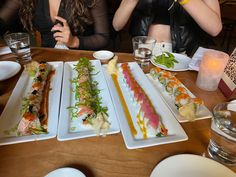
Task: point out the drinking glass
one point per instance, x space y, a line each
143 46
222 145
19 43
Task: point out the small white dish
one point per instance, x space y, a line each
185 165
103 55
65 172
8 69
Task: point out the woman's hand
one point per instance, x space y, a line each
63 34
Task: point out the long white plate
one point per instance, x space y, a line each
74 129
175 131
11 114
203 112
183 64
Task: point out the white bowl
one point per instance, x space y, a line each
65 172
103 55
8 69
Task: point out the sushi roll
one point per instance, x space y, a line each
180 90
171 86
34 110
148 119
182 99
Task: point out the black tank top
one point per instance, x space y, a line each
156 8
149 12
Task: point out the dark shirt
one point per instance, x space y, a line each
162 15
149 12
156 8
94 37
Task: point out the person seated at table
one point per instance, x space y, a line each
78 24
180 22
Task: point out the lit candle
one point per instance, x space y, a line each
211 69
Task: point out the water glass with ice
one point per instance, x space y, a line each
19 43
143 46
222 145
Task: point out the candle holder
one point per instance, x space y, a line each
211 69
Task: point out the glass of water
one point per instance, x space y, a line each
143 46
222 145
19 43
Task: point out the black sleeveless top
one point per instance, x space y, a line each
149 12
156 8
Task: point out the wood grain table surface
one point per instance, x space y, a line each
99 156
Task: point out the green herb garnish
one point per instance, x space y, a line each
86 92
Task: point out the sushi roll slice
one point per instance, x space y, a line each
171 86
180 90
197 103
174 79
163 79
182 99
155 72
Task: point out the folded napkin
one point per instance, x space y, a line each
61 46
232 106
196 59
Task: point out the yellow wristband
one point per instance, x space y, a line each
183 2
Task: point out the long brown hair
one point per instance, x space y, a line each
78 17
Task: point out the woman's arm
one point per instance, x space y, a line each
123 13
206 13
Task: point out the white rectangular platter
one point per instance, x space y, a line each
203 112
11 114
70 129
175 131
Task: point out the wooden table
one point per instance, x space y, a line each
98 156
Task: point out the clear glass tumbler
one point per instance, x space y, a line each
143 46
222 145
19 43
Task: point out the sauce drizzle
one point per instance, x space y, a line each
124 105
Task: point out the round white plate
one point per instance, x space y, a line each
65 172
186 165
103 55
8 69
183 64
